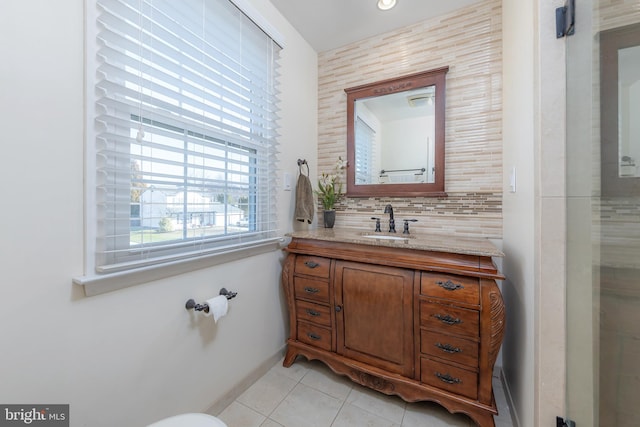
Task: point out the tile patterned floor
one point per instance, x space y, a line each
308 394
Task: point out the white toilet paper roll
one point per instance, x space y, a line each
218 307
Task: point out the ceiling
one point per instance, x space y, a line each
329 24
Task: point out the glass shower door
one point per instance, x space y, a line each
603 180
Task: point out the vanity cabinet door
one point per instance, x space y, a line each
374 315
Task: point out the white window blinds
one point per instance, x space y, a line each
365 153
185 128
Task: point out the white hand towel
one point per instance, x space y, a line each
304 200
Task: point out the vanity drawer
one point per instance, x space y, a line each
312 266
448 347
449 286
315 313
310 289
447 377
450 320
314 335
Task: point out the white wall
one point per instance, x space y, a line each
518 22
534 222
415 134
132 356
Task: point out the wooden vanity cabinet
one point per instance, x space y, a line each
422 325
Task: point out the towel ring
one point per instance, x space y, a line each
303 162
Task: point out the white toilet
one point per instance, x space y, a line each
189 420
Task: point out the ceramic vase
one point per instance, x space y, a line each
329 218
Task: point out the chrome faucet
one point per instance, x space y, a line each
392 222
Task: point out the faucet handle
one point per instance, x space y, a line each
377 224
406 225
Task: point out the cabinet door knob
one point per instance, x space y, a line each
311 264
313 336
338 308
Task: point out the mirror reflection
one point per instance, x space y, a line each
385 123
619 111
629 111
395 136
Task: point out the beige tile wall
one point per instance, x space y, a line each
617 13
468 42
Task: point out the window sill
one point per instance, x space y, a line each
97 284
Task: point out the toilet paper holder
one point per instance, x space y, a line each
191 303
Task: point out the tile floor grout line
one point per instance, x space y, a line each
299 381
344 401
321 391
404 406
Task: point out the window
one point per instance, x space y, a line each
185 132
365 152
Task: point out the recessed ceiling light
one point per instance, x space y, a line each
386 4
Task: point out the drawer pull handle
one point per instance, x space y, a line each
448 378
312 313
310 290
313 336
311 264
447 319
449 285
448 348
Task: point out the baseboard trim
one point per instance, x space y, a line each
226 400
507 394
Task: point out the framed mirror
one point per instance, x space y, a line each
619 111
395 136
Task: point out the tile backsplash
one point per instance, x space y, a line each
469 42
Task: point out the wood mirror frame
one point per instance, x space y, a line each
611 41
435 78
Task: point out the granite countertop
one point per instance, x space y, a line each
419 241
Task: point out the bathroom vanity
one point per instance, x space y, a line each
418 317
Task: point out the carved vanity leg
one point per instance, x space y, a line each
289 357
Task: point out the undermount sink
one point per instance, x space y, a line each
384 237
